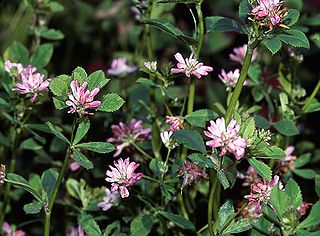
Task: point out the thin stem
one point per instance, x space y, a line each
210 203
167 158
242 78
182 206
309 100
141 150
201 30
48 209
151 179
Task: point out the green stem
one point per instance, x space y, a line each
141 150
309 100
48 209
151 179
201 30
210 204
167 158
242 78
182 206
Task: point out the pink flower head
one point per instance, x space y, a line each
81 99
268 9
31 82
249 177
261 191
240 52
175 122
13 68
286 164
226 137
304 207
119 67
230 79
123 134
7 229
74 166
190 66
76 231
190 173
122 176
109 200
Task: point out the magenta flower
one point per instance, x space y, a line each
190 66
31 83
303 208
226 137
81 99
119 67
109 200
270 10
122 176
74 166
76 231
249 177
7 229
240 52
175 122
190 173
230 79
261 191
124 135
13 68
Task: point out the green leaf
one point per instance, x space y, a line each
55 6
313 217
57 132
81 131
17 53
142 225
261 122
82 159
313 107
280 200
48 180
273 45
178 220
4 104
42 55
30 144
294 38
244 9
190 139
20 182
111 102
33 207
292 17
248 128
200 117
294 192
226 212
51 34
97 80
170 29
286 127
222 24
317 185
59 85
223 179
158 168
99 147
146 81
89 225
272 152
201 160
263 170
238 226
302 160
297 4
305 173
73 188
79 74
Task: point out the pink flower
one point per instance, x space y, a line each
7 229
13 68
123 134
76 231
74 166
240 52
261 191
81 99
31 83
110 199
190 173
250 177
151 65
226 138
175 122
190 66
268 9
119 67
230 79
286 164
122 176
304 207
